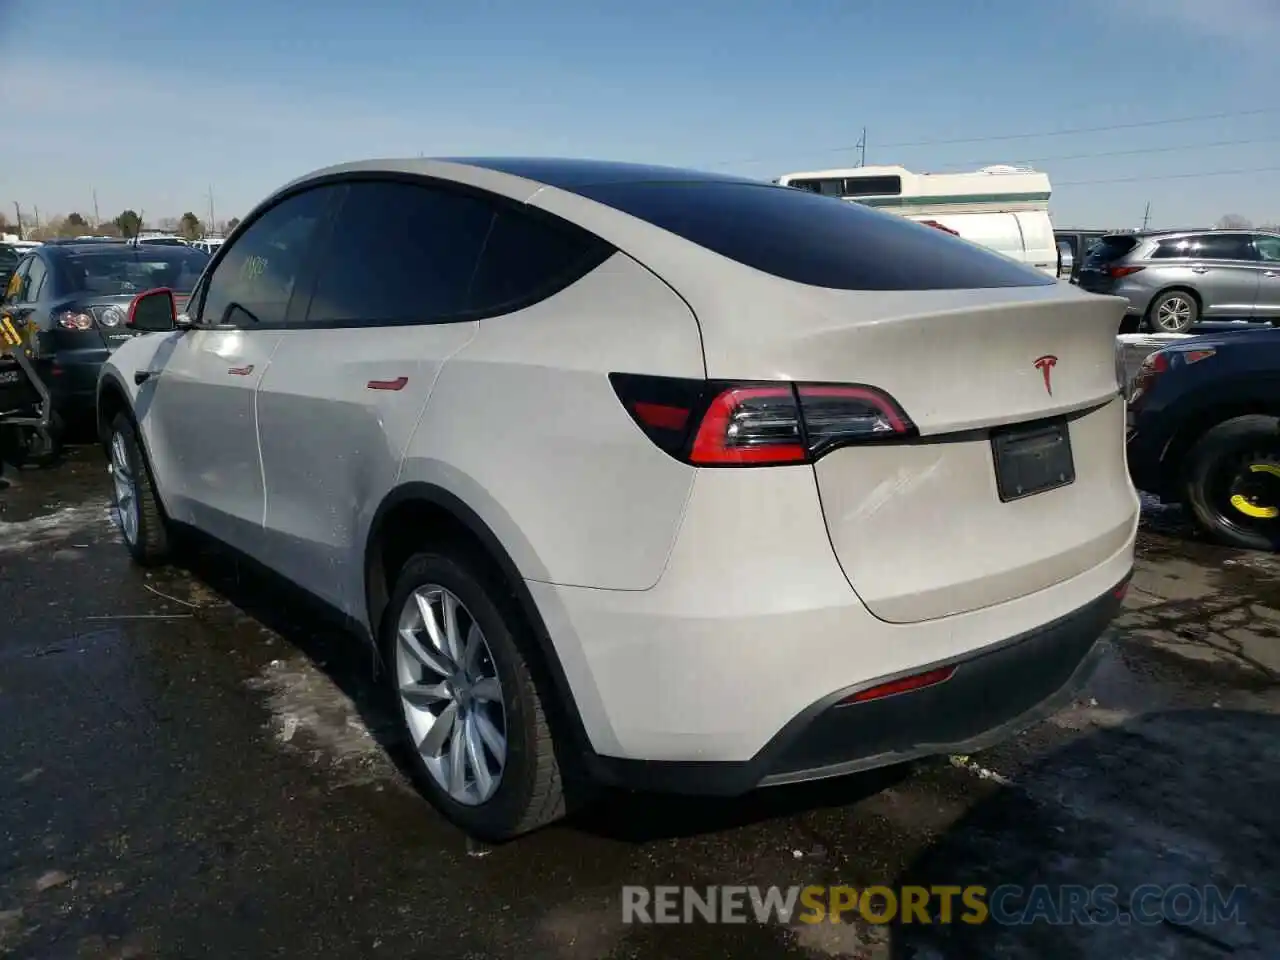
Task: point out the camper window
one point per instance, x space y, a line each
830 187
873 187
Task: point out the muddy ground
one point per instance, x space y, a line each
191 765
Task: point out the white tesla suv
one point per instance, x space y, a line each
667 479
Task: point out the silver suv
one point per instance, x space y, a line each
1173 280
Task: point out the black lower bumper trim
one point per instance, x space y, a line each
990 696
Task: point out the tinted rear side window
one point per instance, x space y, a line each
400 253
1111 248
1172 249
1225 246
527 259
814 240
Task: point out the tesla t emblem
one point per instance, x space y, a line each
1045 365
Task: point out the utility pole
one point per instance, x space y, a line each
1146 215
17 212
96 219
212 223
862 149
37 210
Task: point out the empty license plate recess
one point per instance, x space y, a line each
1032 459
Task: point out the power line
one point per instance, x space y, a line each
1122 153
1068 131
1167 176
1102 129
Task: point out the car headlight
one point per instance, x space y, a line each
112 316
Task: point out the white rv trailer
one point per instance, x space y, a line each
1004 208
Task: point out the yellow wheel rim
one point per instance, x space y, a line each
1248 507
1251 510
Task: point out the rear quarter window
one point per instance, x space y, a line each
527 259
814 240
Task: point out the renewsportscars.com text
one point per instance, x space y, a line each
1008 904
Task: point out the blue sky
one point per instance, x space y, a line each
152 101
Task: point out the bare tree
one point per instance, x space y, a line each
1234 221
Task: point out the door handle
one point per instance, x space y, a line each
241 371
1270 273
1199 269
398 383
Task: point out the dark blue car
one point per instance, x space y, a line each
76 296
1204 430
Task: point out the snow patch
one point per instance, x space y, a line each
55 527
309 713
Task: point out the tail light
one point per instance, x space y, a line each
1118 272
74 320
717 424
1152 367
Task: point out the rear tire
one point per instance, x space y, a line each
521 788
143 524
1232 482
1174 311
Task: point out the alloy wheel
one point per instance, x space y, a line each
126 489
451 694
1173 314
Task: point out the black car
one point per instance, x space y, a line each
1076 243
77 296
1204 430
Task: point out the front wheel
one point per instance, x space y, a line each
479 744
1232 482
1173 312
142 522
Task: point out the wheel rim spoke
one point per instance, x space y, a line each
452 641
431 624
440 730
426 695
492 739
432 659
457 762
471 650
475 756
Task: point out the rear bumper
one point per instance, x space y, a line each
72 377
990 696
1143 452
1138 298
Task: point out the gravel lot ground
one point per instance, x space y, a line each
192 766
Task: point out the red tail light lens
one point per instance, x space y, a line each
916 681
1118 272
74 320
757 424
750 425
1154 365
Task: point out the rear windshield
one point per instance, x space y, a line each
810 239
1111 248
118 271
